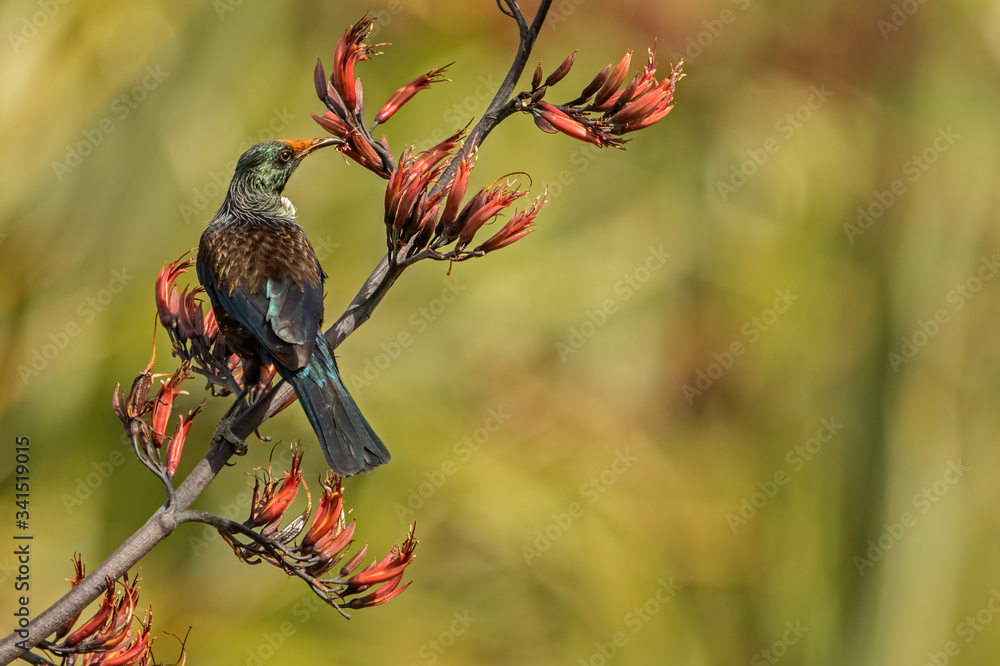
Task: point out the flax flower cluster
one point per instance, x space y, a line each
147 420
106 638
424 207
604 110
344 97
321 547
422 213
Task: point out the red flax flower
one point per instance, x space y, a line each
327 539
574 125
343 96
80 569
356 145
164 403
328 515
322 546
519 226
350 50
175 447
270 502
181 313
211 327
106 638
485 206
191 321
422 213
410 206
406 93
168 300
389 570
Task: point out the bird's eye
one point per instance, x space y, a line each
285 155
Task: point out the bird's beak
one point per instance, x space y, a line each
316 144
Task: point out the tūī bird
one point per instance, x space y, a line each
266 287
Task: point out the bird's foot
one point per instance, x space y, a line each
224 433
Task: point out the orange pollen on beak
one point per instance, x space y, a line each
303 147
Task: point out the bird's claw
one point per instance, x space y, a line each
224 433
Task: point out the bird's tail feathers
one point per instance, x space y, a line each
349 442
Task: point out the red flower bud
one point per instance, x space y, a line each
328 514
98 620
406 93
495 200
519 226
536 79
80 568
332 124
211 327
274 504
175 447
164 403
167 298
386 593
596 84
615 80
570 126
561 71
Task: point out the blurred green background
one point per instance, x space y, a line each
774 444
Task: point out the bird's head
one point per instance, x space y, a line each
266 167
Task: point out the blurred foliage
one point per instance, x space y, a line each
206 79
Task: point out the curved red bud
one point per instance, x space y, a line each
561 71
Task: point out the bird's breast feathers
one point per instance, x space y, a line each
244 256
